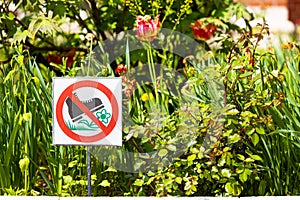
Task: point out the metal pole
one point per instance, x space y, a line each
89 171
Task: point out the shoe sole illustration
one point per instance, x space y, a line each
76 113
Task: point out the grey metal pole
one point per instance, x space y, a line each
89 171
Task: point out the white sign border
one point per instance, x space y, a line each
60 138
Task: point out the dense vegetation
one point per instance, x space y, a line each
231 125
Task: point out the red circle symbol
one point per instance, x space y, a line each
68 92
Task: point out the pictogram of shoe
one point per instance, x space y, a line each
76 113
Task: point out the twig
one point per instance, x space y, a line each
96 18
54 48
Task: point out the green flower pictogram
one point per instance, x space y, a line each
103 115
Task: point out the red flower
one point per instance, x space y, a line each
147 29
202 32
121 69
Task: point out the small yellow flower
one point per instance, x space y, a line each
288 45
27 116
285 46
145 97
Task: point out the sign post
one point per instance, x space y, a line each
89 182
87 111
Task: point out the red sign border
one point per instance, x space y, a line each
68 92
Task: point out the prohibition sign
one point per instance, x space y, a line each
68 92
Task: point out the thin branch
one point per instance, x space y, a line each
120 25
54 48
96 18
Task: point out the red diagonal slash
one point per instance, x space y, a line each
84 109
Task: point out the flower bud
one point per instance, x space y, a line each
147 29
24 164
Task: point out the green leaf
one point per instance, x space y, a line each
162 152
191 157
178 180
214 169
12 138
9 75
110 169
250 132
246 74
150 180
94 177
3 55
215 176
241 157
262 187
226 173
234 138
67 179
42 24
239 170
36 82
21 36
226 149
10 16
20 60
138 182
222 162
200 155
255 139
59 9
228 188
237 189
233 112
243 176
168 182
171 147
73 163
256 157
4 176
105 183
248 160
187 185
260 130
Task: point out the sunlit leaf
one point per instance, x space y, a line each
105 183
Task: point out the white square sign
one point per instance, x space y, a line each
87 111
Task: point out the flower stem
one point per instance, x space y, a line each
152 72
90 57
60 172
